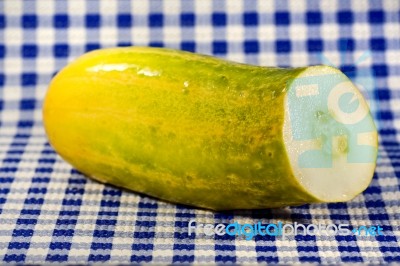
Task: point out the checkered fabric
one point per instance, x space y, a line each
49 212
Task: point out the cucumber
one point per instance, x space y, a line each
201 131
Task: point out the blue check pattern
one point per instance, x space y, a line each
49 212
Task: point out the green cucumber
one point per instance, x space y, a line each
201 131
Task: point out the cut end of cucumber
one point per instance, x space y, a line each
329 134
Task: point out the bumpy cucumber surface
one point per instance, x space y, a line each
194 129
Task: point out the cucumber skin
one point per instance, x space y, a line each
186 128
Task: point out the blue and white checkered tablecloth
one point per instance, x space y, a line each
51 213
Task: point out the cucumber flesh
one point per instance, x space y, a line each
333 154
